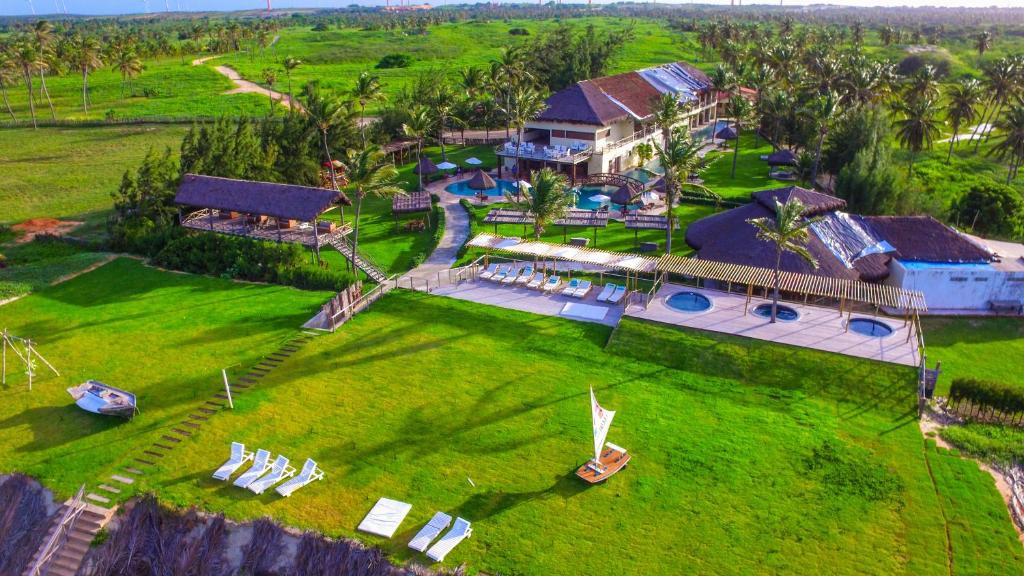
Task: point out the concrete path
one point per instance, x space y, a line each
456 233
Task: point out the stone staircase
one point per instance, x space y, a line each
67 550
343 245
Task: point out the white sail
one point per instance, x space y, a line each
602 421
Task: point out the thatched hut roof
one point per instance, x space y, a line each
286 201
622 196
726 133
815 203
425 166
481 181
925 239
783 157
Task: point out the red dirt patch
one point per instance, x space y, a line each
29 229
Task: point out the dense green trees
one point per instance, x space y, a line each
988 207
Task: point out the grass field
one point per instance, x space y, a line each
35 265
748 457
751 171
975 348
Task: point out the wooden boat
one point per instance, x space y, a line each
608 458
99 398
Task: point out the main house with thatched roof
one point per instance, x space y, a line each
595 125
954 270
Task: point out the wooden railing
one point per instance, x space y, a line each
75 507
639 135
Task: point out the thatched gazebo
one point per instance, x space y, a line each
784 158
425 167
623 196
726 133
481 181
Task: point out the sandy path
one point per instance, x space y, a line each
243 86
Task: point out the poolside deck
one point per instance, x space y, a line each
528 300
818 327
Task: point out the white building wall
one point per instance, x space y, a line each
958 287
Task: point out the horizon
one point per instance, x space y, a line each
51 8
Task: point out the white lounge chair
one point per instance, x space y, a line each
552 283
513 275
582 289
238 457
616 296
432 530
279 471
500 274
525 276
459 532
486 274
310 472
260 465
384 518
571 287
537 281
605 294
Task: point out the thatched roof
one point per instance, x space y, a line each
925 239
815 203
481 181
623 195
726 133
425 166
285 201
409 203
783 157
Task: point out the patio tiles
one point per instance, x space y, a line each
525 299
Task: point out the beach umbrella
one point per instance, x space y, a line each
726 133
474 161
622 196
599 198
446 166
481 181
523 185
424 166
649 197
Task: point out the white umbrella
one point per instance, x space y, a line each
523 184
599 198
649 197
446 166
474 161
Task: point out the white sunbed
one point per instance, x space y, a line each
500 274
605 294
571 287
525 276
238 457
616 296
552 283
384 517
513 275
310 472
537 281
489 271
260 465
432 530
279 471
459 532
582 289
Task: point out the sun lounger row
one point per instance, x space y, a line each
387 514
526 276
263 474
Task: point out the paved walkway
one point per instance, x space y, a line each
529 300
456 233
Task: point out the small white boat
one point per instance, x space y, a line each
99 398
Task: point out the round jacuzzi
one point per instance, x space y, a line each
784 313
870 327
688 302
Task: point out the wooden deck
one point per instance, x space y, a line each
243 225
612 461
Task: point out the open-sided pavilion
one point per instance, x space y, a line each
573 218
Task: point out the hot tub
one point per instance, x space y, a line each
688 301
871 327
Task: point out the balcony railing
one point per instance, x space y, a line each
547 153
638 135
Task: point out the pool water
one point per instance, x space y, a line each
869 327
584 202
640 174
784 313
462 189
688 302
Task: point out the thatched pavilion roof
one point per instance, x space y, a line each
481 181
425 166
285 201
726 133
783 157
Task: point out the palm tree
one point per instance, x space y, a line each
418 126
739 109
666 115
506 71
788 231
367 89
327 113
7 75
982 42
820 112
369 172
442 101
290 64
679 158
86 58
918 128
524 104
270 77
547 200
1011 148
923 84
42 32
129 65
472 79
26 56
961 99
1000 82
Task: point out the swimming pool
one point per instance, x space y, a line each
870 327
584 194
784 313
462 189
642 174
688 302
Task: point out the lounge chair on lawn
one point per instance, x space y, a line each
500 274
238 457
459 532
616 296
260 465
310 472
537 281
570 289
514 275
486 274
582 289
525 276
605 294
552 284
279 471
432 530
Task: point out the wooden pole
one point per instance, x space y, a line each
28 362
227 387
4 379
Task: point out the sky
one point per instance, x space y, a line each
25 7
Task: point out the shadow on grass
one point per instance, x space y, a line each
484 505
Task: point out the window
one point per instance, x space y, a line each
958 279
980 279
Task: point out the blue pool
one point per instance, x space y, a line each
689 302
462 188
641 174
784 313
870 327
584 194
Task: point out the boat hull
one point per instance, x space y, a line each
612 461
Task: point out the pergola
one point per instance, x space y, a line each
636 221
545 250
574 218
411 203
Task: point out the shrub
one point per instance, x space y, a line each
915 62
999 444
519 32
395 61
989 207
987 400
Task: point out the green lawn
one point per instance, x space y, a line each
748 457
975 348
751 171
35 265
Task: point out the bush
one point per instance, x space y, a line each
915 62
989 207
984 399
395 61
999 444
519 32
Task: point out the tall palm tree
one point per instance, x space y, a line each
472 80
290 63
1000 82
679 158
788 232
666 115
129 65
326 112
270 77
547 200
982 42
508 70
739 110
1011 148
419 126
820 111
524 104
917 128
86 58
368 172
442 102
923 84
7 76
367 89
961 101
42 33
26 56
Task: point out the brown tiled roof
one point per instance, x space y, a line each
925 239
581 103
287 201
815 203
631 90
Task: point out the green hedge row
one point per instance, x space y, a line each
987 399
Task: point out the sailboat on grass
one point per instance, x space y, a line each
608 458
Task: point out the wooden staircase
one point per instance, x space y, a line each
343 245
68 540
